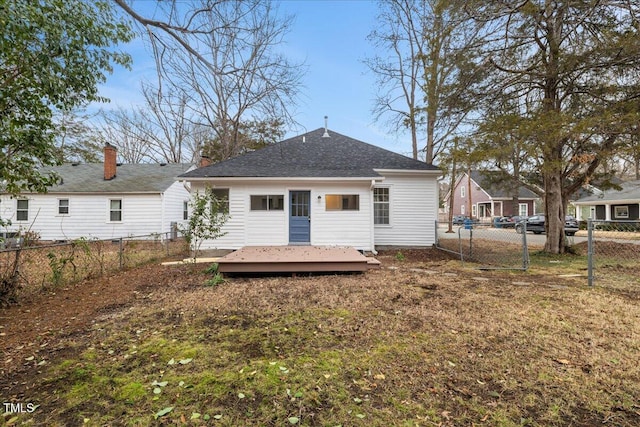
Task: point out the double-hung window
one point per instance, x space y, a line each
222 199
523 209
22 210
63 206
115 210
381 206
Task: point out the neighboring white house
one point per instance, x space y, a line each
101 201
323 188
611 204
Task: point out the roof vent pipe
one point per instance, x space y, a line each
326 128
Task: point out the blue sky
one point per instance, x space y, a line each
330 37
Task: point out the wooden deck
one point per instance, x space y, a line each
295 259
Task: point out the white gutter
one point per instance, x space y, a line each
275 178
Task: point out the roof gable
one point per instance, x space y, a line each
494 184
312 155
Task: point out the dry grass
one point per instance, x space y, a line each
53 265
418 343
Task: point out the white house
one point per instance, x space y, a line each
612 205
101 201
323 188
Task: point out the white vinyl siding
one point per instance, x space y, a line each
89 217
271 228
413 204
173 206
342 227
412 211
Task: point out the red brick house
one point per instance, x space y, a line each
483 196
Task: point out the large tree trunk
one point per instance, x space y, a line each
554 212
414 135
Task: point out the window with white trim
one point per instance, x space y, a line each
621 212
222 196
115 210
381 206
523 209
185 210
342 202
463 191
267 202
462 208
63 206
22 210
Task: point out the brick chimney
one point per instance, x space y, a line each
110 154
204 161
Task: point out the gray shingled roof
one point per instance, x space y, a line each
630 192
497 188
130 178
336 156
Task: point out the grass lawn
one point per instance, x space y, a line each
420 342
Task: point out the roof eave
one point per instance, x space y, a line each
280 178
433 172
605 202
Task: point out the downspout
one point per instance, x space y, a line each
371 219
162 207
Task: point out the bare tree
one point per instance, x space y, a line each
428 79
220 58
126 130
76 138
171 135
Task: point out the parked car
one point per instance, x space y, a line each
460 219
508 221
535 224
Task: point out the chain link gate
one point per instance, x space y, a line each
613 253
493 248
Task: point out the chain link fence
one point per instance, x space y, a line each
30 269
613 253
487 245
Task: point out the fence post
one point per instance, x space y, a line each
525 249
460 245
590 252
121 254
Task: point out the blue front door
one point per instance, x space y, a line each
299 218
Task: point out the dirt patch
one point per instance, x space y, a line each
419 340
37 325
